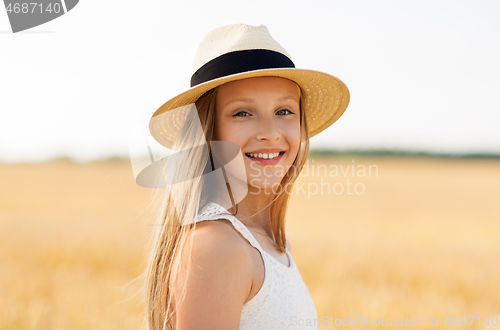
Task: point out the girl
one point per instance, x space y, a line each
220 258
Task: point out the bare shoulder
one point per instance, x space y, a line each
219 279
218 241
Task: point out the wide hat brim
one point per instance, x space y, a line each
325 98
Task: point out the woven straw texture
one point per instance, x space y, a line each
232 38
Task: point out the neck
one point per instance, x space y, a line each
256 203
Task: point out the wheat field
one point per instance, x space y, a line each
398 238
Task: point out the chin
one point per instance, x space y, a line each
269 185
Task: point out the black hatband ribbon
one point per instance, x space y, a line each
240 61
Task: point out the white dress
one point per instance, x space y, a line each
283 301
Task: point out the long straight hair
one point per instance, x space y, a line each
171 237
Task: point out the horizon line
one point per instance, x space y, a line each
313 153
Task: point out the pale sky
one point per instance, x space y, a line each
423 75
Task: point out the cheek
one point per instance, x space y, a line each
225 131
293 138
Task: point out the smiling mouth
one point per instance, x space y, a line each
265 156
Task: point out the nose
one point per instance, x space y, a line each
268 130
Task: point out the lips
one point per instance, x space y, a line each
263 161
261 155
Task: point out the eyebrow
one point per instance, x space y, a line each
241 99
248 100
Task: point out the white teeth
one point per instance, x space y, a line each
264 156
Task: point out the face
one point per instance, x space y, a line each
261 115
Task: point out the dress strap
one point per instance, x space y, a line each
214 211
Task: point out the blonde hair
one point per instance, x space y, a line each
171 237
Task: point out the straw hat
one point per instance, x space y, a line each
241 51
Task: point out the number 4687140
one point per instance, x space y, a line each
455 321
33 7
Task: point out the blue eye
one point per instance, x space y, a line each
241 112
284 110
